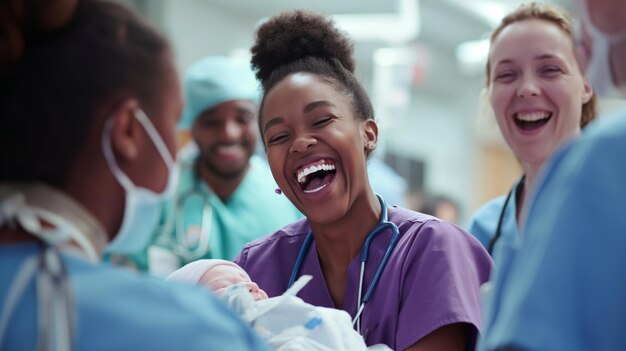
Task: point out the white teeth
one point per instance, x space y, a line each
229 147
229 150
532 116
303 173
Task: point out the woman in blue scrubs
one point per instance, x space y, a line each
89 99
569 286
540 100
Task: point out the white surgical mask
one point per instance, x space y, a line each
143 206
599 67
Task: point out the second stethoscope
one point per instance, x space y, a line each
362 300
183 245
518 188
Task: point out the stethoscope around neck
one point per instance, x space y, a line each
362 300
175 223
182 245
517 188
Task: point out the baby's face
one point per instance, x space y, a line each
220 277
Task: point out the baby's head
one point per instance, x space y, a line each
217 275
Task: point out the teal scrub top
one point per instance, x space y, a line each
253 210
117 309
569 291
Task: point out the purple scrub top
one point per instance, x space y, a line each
432 278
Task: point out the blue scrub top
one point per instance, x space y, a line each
120 310
569 291
485 221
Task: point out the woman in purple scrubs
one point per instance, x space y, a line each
317 125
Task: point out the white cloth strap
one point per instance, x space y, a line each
26 272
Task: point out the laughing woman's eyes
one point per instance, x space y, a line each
277 139
551 70
504 76
323 121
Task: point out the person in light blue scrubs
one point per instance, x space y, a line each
569 286
117 309
539 104
89 99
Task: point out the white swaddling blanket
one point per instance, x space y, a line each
287 323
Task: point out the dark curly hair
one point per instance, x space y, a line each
301 41
62 68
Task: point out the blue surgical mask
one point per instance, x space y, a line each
143 206
599 67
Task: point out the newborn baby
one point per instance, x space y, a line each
285 322
217 275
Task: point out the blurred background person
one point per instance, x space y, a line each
89 99
440 206
540 99
226 195
568 288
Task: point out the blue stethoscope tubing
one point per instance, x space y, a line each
382 225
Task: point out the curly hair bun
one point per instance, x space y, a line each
296 35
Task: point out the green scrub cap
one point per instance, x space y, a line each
214 80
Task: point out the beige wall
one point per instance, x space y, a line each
497 171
